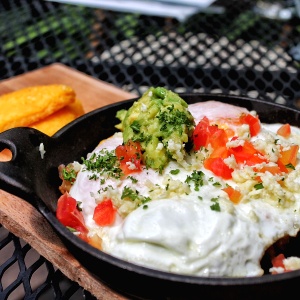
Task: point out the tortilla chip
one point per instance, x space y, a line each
29 105
59 119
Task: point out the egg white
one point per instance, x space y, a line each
178 231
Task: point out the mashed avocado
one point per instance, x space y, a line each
161 122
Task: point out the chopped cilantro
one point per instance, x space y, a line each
134 195
197 178
175 172
215 206
173 119
103 162
69 174
259 186
129 193
71 229
134 180
290 166
135 126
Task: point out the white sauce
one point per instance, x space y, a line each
181 233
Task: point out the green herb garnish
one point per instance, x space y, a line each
259 186
197 178
175 172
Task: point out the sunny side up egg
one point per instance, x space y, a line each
180 230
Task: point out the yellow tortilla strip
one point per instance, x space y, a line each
29 105
59 119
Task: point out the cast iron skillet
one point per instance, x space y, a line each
36 180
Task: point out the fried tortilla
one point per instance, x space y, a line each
32 104
57 120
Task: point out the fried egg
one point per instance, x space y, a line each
192 230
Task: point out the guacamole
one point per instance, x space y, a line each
161 122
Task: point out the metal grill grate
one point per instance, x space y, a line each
231 50
24 274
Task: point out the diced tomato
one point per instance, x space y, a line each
247 154
252 121
218 167
200 135
105 213
289 156
284 130
205 134
233 194
69 215
220 152
218 137
272 169
277 262
282 167
229 132
130 156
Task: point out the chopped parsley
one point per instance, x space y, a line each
133 179
197 177
259 186
134 195
175 172
215 206
69 174
135 126
71 229
129 193
105 162
290 166
172 120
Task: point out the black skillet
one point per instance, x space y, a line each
36 180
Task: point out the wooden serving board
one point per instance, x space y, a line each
23 220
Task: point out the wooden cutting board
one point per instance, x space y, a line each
18 216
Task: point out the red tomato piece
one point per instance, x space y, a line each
252 121
200 135
220 152
272 169
233 194
277 262
130 157
284 130
217 138
205 134
218 167
69 215
289 156
282 167
247 154
105 213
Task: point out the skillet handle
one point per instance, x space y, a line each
17 175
